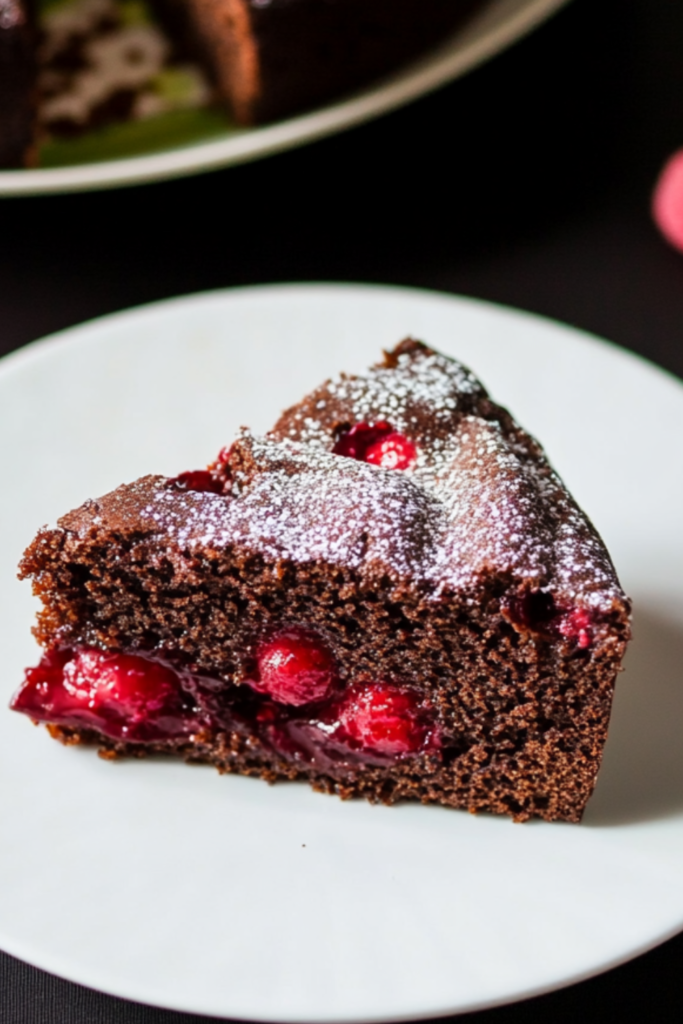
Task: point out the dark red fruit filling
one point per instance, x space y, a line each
294 667
355 441
378 444
198 480
534 610
371 724
537 611
393 452
135 698
380 718
124 696
577 625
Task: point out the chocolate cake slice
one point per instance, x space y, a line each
17 83
391 595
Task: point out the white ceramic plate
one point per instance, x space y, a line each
497 25
174 886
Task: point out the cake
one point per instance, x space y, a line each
272 58
106 62
391 595
17 83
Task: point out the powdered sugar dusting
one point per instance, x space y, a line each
399 394
480 499
298 505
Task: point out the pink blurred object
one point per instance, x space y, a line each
667 201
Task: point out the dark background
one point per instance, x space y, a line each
526 183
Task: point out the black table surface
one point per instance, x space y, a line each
526 183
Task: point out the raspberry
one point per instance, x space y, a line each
122 695
198 480
42 686
294 667
356 441
383 719
124 683
224 454
377 443
576 625
394 451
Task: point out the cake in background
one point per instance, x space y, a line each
95 69
17 84
273 58
106 61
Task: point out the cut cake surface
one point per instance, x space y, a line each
391 595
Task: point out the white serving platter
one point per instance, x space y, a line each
174 886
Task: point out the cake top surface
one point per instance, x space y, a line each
479 497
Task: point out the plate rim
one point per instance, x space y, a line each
51 966
33 349
442 65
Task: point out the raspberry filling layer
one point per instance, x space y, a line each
124 696
294 705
